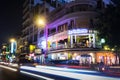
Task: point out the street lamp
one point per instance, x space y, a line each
13 47
40 22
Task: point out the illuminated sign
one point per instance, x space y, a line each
32 48
13 47
78 31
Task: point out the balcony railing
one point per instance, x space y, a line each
68 46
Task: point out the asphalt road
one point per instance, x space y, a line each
6 74
51 73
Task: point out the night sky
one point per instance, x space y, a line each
10 19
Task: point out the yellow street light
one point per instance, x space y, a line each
106 47
12 40
40 21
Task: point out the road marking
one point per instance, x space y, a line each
5 67
46 78
77 76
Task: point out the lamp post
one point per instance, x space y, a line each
40 22
13 48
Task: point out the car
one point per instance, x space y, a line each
73 62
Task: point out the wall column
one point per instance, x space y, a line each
56 44
75 38
93 35
71 41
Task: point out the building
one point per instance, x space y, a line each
70 33
27 43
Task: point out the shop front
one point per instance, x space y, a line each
108 58
85 57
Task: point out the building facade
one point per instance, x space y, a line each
70 34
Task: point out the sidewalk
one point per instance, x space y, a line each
113 71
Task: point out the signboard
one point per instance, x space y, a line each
78 31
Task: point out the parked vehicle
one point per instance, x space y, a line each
65 62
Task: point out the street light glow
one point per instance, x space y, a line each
102 40
13 45
12 40
40 21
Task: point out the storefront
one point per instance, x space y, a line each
85 57
108 58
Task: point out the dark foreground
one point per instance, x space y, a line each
6 74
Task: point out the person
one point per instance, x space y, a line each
101 66
101 63
92 65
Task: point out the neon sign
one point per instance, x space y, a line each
78 31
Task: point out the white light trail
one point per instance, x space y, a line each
69 74
14 65
5 67
36 75
65 69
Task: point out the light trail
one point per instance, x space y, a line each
72 75
36 75
13 65
65 69
5 67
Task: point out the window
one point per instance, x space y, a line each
35 37
72 23
66 26
41 33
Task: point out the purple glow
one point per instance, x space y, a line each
106 1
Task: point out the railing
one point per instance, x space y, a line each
65 46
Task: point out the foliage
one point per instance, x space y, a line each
109 23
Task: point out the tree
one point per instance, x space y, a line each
109 23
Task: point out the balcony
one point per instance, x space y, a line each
73 47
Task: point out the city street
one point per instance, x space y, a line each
60 40
51 73
7 73
58 73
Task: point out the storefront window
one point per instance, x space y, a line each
85 59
